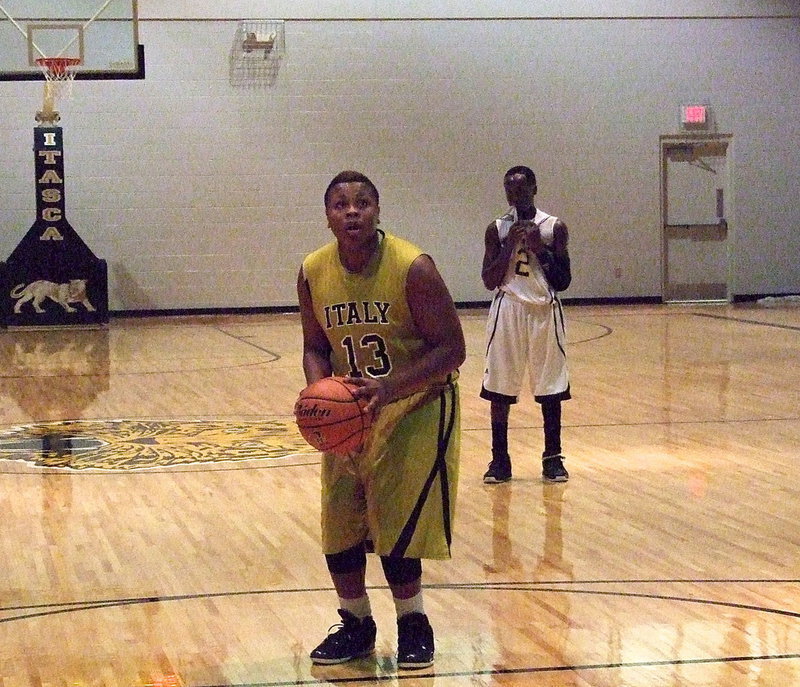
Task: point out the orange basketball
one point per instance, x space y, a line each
330 417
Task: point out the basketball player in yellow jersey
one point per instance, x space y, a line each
375 309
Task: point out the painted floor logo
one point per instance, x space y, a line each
138 444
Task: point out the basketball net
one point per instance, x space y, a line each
59 74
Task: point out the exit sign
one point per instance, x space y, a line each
694 115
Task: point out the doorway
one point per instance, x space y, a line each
695 207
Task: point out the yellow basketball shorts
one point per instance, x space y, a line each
399 491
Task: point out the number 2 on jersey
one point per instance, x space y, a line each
521 266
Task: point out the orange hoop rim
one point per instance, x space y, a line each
57 66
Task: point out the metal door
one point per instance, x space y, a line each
694 199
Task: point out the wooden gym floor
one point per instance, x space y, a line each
160 512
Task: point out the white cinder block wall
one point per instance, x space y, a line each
202 194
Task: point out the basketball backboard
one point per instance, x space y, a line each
102 34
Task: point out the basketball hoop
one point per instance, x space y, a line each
59 71
59 74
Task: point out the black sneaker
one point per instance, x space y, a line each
499 471
414 641
553 469
353 638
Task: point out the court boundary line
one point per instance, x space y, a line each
77 606
741 320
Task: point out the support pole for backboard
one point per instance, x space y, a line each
52 277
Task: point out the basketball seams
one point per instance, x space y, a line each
324 427
345 401
348 390
344 440
339 421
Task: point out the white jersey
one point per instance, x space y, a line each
525 279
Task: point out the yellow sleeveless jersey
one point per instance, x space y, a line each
365 315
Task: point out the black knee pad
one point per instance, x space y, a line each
401 570
347 561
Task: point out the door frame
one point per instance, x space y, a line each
670 140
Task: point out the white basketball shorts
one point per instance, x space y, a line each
520 335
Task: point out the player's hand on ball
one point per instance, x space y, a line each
533 239
371 390
517 232
331 417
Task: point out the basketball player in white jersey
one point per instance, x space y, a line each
527 262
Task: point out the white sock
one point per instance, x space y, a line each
359 606
406 606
